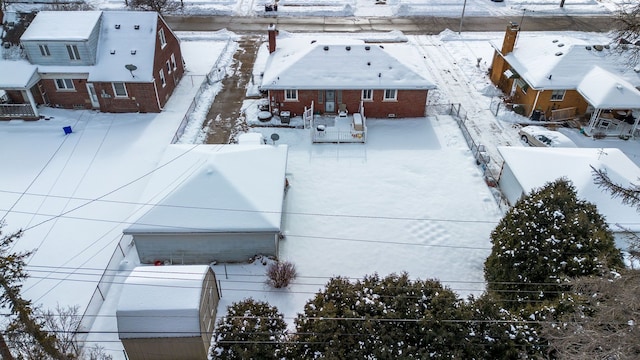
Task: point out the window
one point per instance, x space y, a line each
291 95
168 67
390 94
44 50
119 89
320 96
73 52
65 84
163 81
173 62
557 95
522 85
367 95
163 40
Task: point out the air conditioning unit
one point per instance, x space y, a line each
391 115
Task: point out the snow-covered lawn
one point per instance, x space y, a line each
411 199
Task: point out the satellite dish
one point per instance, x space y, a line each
275 137
131 68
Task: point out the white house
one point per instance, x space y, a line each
528 168
216 203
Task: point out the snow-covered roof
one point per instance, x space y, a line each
55 25
343 63
161 301
603 89
126 45
17 74
561 62
534 167
236 188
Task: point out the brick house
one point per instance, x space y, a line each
388 78
548 76
112 61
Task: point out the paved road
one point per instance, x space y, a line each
417 25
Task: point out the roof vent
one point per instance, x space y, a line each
559 53
598 47
326 48
554 41
560 45
369 63
381 47
607 46
313 41
117 26
637 69
588 47
618 86
367 47
137 27
113 52
133 52
348 48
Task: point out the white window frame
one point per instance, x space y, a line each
173 61
558 95
291 95
115 90
65 84
163 80
44 50
367 95
168 67
522 85
390 95
163 39
73 52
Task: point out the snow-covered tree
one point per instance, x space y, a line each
381 318
251 330
545 239
159 6
627 30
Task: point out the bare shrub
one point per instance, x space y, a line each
281 274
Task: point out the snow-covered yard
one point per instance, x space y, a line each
411 199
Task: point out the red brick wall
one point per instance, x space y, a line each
140 98
162 55
409 103
79 97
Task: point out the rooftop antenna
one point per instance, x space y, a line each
601 152
131 68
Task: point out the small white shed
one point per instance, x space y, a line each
222 203
528 168
168 312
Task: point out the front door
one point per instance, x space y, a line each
330 101
93 95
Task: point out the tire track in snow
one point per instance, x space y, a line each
455 87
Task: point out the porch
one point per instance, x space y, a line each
17 111
341 128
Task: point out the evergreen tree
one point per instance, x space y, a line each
545 239
12 274
381 318
250 330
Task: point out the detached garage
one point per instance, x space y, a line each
168 312
224 205
528 168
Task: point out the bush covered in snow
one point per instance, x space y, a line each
545 239
381 318
250 330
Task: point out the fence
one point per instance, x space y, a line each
216 74
100 293
491 166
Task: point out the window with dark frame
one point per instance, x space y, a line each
74 53
44 50
119 89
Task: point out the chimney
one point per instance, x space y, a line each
272 37
510 37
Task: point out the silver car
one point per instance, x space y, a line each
541 136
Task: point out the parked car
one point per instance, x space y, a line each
541 136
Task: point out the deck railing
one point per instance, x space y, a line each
17 111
